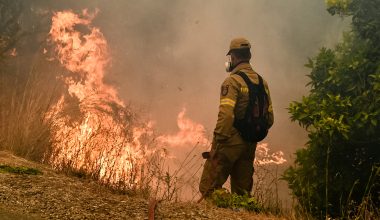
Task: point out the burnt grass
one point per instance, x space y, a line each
31 190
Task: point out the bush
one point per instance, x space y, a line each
336 170
223 199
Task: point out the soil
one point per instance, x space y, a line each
54 195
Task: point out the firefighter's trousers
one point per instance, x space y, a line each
226 160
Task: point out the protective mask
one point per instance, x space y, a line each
228 65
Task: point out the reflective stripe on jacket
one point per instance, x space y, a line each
234 99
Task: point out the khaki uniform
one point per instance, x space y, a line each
230 154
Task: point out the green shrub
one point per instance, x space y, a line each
223 199
335 171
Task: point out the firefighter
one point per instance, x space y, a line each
230 155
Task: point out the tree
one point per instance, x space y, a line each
338 170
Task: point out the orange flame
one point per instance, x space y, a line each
83 54
96 133
263 157
190 133
103 141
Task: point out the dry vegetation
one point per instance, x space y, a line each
25 131
52 195
28 94
24 100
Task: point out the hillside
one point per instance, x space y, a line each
53 195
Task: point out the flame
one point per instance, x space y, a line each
92 129
84 54
103 140
263 157
190 133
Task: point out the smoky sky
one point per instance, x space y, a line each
169 54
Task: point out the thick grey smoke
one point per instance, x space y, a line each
169 54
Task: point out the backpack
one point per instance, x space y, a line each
254 126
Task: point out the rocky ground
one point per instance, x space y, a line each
52 195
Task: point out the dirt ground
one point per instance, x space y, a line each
54 195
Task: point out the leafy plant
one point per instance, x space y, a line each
222 198
342 117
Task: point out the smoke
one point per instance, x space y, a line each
167 55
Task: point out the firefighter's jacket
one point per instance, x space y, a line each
234 99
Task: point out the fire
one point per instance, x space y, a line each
83 54
190 133
263 157
92 129
103 140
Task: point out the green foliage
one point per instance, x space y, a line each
338 6
222 198
342 117
19 170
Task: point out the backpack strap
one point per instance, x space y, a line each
253 88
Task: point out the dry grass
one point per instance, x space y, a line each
266 188
27 96
24 99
